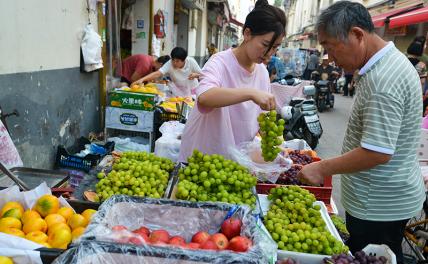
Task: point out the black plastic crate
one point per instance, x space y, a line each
66 160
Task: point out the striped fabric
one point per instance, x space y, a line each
386 118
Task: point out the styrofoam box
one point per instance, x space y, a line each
304 258
381 250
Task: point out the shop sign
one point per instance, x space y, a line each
398 31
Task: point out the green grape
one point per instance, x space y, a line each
271 131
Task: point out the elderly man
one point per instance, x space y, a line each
381 180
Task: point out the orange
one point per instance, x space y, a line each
46 205
56 226
10 222
36 224
29 215
37 236
14 212
77 220
54 219
77 232
60 238
10 205
13 231
66 212
45 244
88 214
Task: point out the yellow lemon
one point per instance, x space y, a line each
37 236
77 232
60 238
66 212
10 222
77 220
14 212
5 260
29 215
37 224
13 231
46 205
10 205
88 214
56 226
54 219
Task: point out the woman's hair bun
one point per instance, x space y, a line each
261 3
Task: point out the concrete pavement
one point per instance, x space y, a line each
334 122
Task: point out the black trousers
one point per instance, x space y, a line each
363 232
348 80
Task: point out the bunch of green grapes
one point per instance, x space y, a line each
136 173
340 225
214 178
296 224
271 131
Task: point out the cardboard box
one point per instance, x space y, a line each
128 119
130 100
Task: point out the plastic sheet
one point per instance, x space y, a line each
248 154
168 146
179 218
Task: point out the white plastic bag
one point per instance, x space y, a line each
130 144
91 49
249 155
168 146
296 144
9 155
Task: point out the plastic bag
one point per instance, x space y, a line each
9 156
91 49
168 145
179 218
296 144
130 144
248 154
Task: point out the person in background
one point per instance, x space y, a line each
212 50
184 72
324 70
140 65
381 181
275 64
235 87
347 88
424 56
289 64
313 62
416 50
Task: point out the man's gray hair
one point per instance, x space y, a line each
338 19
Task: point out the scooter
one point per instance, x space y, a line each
301 118
323 96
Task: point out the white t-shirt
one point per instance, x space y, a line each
181 85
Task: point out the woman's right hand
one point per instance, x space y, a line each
265 100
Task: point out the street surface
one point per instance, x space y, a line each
334 122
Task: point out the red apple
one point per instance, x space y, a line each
200 237
192 245
177 241
119 228
231 227
220 240
210 245
142 230
239 244
159 236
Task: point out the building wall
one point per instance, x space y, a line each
140 36
167 6
40 77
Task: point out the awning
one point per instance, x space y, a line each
412 17
379 20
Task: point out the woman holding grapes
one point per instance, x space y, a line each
234 87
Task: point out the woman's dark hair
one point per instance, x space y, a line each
264 19
163 59
179 53
415 48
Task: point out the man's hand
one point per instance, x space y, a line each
194 75
312 174
139 81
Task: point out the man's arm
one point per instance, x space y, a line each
151 76
359 159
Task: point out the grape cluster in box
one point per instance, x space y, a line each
214 178
136 173
296 224
193 230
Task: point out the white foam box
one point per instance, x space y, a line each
303 258
379 251
129 119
